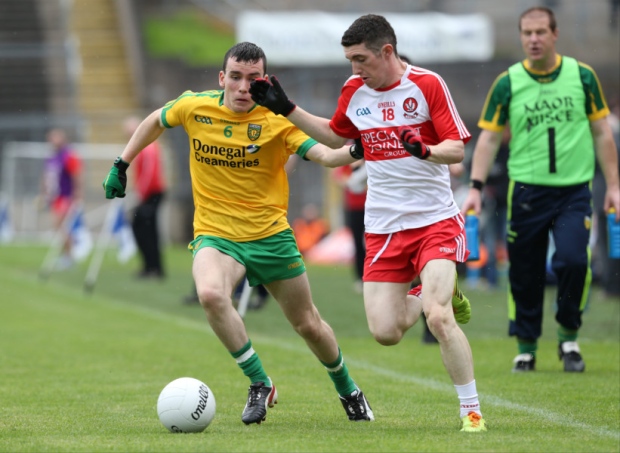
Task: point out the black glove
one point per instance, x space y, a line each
271 95
356 150
116 181
412 142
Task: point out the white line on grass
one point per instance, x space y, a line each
433 384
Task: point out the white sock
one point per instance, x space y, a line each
468 396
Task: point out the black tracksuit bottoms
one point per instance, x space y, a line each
535 212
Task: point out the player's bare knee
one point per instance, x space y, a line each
386 336
309 329
439 323
211 298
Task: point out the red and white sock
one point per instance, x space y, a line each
468 396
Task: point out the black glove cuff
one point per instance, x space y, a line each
427 153
289 107
121 164
355 154
476 184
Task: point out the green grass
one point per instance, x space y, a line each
82 372
189 35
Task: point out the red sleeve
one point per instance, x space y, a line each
445 118
340 122
73 164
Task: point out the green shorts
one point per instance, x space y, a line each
266 260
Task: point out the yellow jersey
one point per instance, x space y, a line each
236 163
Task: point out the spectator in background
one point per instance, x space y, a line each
310 228
352 178
61 188
150 187
558 125
606 269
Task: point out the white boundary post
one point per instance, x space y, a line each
105 236
244 299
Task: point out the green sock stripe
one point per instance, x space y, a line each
339 374
512 306
249 362
335 364
243 350
565 334
585 296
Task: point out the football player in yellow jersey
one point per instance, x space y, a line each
237 155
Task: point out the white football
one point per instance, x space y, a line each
186 405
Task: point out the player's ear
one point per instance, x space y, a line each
387 50
221 78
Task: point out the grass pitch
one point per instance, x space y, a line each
82 372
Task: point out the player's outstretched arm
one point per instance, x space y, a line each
447 152
329 157
147 132
269 93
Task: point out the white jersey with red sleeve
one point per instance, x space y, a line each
404 192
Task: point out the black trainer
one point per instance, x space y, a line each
569 352
259 398
356 406
524 362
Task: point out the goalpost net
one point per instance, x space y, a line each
22 170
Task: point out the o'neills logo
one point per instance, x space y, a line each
203 392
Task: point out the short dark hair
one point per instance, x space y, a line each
372 30
552 22
246 52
